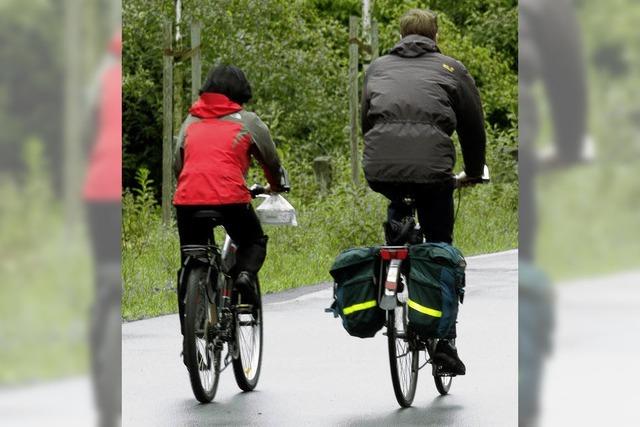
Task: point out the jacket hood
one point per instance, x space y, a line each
413 46
213 105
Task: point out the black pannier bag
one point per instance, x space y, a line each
436 283
356 291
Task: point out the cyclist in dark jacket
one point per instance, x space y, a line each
413 100
214 150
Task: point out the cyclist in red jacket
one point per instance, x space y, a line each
213 153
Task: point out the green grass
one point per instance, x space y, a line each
297 256
589 217
44 306
46 280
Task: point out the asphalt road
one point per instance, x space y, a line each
67 402
593 375
314 373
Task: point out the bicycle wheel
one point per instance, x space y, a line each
443 382
203 362
248 341
403 357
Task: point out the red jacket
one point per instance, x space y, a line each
214 153
104 177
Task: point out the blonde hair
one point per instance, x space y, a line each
421 22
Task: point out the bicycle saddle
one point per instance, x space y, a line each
208 213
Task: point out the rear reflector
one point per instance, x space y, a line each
394 253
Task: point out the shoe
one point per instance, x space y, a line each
246 284
446 355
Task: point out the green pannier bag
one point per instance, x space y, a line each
436 283
355 291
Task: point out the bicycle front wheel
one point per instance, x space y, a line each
248 342
200 356
443 382
403 357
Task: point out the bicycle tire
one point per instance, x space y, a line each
204 382
248 334
443 383
404 373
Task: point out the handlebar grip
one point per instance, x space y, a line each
256 190
459 183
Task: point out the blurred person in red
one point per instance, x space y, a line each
102 194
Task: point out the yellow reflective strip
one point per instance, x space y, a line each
424 310
361 306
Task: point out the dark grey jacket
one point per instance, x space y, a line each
413 99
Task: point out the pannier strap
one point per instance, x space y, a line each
424 310
358 307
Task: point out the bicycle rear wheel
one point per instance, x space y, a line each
202 360
403 357
248 341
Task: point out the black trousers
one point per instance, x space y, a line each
106 338
433 202
240 222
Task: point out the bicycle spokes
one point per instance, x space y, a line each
405 362
248 343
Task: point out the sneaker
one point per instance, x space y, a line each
446 355
246 284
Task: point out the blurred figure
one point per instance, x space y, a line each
102 193
549 51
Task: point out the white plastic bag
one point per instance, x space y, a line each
276 210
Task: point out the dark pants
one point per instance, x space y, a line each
239 221
106 337
433 202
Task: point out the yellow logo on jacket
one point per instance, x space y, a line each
448 68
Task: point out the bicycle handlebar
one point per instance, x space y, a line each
257 189
462 180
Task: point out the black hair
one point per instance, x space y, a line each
230 81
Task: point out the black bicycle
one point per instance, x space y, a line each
405 347
219 329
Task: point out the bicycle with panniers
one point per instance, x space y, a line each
413 288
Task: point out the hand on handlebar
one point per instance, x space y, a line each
257 189
462 180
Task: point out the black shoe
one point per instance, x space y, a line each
246 284
446 356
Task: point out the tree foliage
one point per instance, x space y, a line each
295 55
